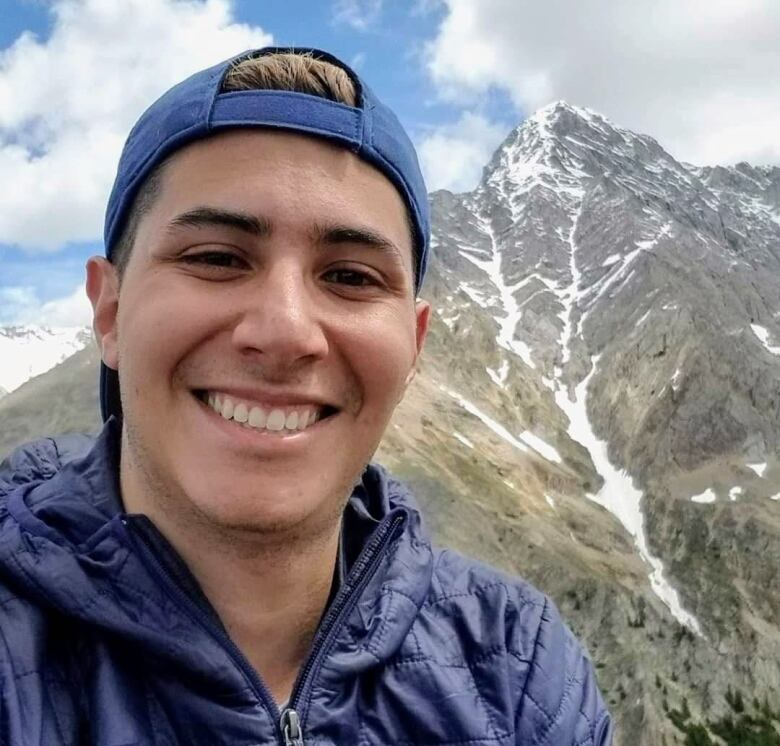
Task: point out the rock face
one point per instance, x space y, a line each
597 410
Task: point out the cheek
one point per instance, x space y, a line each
383 353
155 331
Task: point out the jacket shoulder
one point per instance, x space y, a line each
40 460
549 676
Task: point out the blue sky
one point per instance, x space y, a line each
74 75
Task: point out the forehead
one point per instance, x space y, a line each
281 175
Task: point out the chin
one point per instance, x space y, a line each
270 508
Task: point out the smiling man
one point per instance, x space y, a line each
223 565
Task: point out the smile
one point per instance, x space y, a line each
280 419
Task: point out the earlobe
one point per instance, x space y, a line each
103 292
422 314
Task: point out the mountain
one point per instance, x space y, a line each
597 410
28 351
602 390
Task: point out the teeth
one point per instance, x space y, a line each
276 420
290 420
257 417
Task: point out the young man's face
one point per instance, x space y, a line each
274 270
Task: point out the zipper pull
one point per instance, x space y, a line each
290 724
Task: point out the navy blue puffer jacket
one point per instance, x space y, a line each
105 637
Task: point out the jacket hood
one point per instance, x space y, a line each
67 544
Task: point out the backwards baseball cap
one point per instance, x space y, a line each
198 108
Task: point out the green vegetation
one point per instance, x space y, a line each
742 728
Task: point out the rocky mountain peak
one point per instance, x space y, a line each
742 180
563 146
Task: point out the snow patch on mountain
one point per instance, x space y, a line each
617 277
507 323
570 297
734 493
762 333
526 442
708 496
618 494
28 351
541 446
463 439
499 376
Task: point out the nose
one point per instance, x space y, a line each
280 321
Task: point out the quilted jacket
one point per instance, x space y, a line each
106 638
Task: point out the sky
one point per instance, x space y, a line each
702 78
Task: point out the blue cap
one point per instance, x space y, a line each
196 108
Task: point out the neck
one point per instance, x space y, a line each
270 589
269 598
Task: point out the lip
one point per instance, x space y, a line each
267 399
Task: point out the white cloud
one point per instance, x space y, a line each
20 305
67 103
359 14
699 77
358 61
72 310
14 302
453 156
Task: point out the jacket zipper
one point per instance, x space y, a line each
288 723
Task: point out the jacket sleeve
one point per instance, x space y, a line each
560 703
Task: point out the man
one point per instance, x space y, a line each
222 566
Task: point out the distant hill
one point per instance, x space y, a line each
62 400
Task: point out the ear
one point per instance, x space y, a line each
422 312
103 292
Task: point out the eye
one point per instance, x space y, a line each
215 258
351 277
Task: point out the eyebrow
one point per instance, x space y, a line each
211 216
332 235
325 235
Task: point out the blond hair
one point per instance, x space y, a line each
287 71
